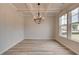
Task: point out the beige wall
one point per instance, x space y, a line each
45 30
72 45
11 27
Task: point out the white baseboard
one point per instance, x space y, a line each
4 50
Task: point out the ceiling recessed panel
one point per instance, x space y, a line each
45 8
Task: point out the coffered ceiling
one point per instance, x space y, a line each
45 8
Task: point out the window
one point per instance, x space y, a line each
75 24
70 29
63 25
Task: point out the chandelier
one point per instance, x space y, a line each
38 19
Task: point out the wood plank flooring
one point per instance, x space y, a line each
38 47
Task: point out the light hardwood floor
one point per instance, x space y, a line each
38 47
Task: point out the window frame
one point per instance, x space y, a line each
65 23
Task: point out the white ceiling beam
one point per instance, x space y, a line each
48 7
31 8
40 11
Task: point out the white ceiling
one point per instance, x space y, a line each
45 8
